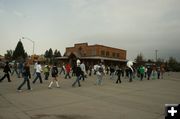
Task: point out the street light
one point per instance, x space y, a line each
31 41
156 51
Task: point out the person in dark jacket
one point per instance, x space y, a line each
26 75
119 73
54 73
79 73
6 72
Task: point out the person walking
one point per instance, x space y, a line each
54 73
162 72
100 74
15 68
141 71
119 73
83 68
6 72
20 69
68 69
149 71
38 73
27 76
62 69
46 72
79 73
158 72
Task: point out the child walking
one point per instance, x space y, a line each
54 73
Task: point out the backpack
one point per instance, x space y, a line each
54 70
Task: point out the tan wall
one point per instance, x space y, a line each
95 50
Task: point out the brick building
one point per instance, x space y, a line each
93 54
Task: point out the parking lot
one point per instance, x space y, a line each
136 100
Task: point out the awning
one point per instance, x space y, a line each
96 58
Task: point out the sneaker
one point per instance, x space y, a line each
58 86
30 89
49 88
19 90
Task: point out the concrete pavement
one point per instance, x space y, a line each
137 100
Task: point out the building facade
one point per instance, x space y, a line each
93 54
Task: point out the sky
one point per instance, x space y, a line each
138 26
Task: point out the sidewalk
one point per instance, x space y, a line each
137 100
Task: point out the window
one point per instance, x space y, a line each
107 53
102 53
117 55
93 51
113 54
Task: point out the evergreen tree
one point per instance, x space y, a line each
46 54
59 54
50 53
9 55
140 59
55 53
19 52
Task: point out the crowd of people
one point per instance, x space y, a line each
80 71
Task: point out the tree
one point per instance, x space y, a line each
173 65
50 53
57 53
9 55
140 59
19 52
46 54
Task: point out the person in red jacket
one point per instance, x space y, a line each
68 69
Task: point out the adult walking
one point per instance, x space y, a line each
6 72
149 71
119 73
83 68
27 76
46 72
15 68
78 74
68 70
38 73
141 71
100 74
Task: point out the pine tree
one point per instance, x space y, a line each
19 52
50 53
46 54
59 54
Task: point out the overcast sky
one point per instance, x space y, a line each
138 26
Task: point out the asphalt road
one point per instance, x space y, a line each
136 100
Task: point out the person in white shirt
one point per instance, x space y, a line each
38 73
83 68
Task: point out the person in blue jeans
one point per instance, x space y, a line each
38 73
27 76
78 74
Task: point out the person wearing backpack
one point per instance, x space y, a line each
54 73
